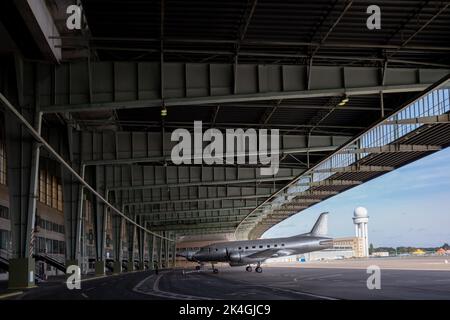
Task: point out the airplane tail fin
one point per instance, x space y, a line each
321 226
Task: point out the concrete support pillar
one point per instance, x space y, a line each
140 240
117 222
166 250
72 195
366 238
131 234
160 251
100 268
98 175
23 171
21 273
151 257
174 251
117 268
130 266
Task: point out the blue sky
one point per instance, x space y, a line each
409 206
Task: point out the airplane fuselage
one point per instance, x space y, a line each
246 252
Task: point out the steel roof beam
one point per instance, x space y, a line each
41 24
218 225
223 209
137 84
330 183
356 168
261 42
203 183
443 118
254 196
394 148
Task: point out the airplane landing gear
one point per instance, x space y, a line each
248 269
215 270
197 267
258 269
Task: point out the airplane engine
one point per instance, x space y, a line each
235 258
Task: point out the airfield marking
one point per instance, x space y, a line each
290 291
318 277
164 294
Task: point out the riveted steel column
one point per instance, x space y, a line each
71 196
166 250
117 222
23 168
151 257
174 250
131 233
140 240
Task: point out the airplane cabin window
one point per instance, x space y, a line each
282 244
275 245
246 247
260 246
253 247
268 246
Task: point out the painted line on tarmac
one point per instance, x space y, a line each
317 296
164 294
9 295
318 277
312 295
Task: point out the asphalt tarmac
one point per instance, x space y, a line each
399 279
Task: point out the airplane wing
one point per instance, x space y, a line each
270 253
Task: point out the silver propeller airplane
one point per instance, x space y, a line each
254 252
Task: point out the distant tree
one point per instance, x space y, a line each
371 248
446 246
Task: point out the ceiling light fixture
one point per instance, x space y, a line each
163 111
344 101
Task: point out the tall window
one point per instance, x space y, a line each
50 190
2 151
4 212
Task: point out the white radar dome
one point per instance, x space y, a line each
360 212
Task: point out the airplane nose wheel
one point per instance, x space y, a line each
215 270
258 269
248 269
